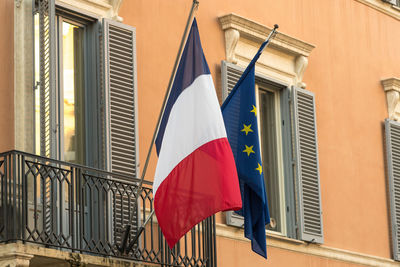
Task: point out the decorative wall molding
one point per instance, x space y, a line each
290 55
16 259
300 67
231 40
23 73
391 87
284 243
385 8
18 3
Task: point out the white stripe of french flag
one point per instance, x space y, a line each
196 173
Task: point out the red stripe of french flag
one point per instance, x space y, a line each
196 173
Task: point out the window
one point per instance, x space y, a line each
85 93
85 101
69 95
290 157
67 82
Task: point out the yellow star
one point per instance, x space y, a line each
254 110
259 168
246 129
248 150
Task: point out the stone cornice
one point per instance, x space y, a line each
257 32
239 30
383 7
391 84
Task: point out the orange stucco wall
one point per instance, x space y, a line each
239 253
356 47
6 75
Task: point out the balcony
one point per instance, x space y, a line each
74 210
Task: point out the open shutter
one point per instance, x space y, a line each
307 169
121 116
230 76
47 75
393 166
121 86
45 9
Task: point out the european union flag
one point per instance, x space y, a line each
240 116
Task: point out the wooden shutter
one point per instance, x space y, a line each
307 169
121 84
230 75
45 9
121 116
392 130
47 75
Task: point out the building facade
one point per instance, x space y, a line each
82 84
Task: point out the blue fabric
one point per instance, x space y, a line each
192 64
242 130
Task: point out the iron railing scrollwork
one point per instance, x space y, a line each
67 206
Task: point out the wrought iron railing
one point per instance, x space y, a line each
71 207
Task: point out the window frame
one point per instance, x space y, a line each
262 86
287 153
92 80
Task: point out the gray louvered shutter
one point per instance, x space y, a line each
47 85
392 130
47 75
307 169
230 75
121 87
121 113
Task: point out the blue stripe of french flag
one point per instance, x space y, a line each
196 174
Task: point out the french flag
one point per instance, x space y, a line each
196 173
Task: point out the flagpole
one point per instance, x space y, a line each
194 7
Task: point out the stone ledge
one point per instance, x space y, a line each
41 256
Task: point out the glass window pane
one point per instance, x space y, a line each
36 80
73 93
269 154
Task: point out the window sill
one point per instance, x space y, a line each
296 246
277 236
237 233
